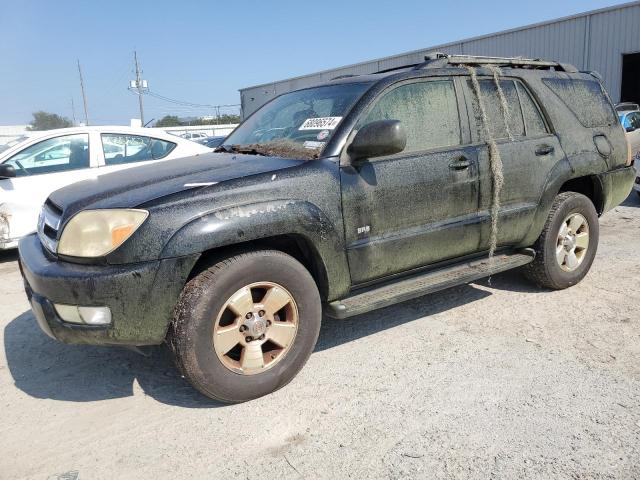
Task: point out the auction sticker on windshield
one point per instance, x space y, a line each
320 123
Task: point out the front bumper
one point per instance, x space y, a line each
141 296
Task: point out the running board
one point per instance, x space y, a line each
425 283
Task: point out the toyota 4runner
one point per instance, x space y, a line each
348 196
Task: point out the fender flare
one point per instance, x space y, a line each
557 176
239 224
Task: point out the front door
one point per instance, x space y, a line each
417 207
41 168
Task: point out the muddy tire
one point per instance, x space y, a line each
567 245
245 326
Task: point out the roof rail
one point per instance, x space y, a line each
401 67
439 60
348 75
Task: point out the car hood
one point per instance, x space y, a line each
133 186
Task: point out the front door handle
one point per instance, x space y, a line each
544 150
461 163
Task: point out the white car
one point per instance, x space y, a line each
38 165
631 122
193 135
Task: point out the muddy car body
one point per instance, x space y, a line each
236 252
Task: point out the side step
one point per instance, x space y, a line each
424 283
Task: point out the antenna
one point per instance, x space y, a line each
84 96
73 112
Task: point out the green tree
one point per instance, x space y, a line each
48 121
169 121
222 119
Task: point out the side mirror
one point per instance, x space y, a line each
7 171
375 139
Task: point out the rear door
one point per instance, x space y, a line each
123 150
417 207
528 151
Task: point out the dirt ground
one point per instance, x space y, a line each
488 380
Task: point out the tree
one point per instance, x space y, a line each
222 120
48 121
169 121
174 121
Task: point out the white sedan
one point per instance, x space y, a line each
38 165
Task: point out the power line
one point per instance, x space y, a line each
189 104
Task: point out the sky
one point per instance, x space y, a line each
203 52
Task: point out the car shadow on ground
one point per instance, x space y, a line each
633 200
44 368
337 332
8 255
510 281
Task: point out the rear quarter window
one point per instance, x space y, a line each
585 98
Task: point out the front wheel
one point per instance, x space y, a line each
244 327
567 245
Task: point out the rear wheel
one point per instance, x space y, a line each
567 245
245 326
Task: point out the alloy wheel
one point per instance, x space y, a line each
255 328
572 242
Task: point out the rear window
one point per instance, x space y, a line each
585 98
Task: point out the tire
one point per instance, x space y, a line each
215 296
546 269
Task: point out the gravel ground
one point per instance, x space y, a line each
490 380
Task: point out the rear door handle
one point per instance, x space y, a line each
461 163
544 150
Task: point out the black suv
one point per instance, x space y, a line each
351 195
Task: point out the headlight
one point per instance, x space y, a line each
95 233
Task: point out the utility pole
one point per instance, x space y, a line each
84 96
138 86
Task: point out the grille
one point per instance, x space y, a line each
49 225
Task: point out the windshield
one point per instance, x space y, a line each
13 143
297 124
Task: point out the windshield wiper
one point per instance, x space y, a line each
247 150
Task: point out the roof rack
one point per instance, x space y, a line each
440 60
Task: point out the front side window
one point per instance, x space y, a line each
59 154
120 148
428 112
499 114
297 124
